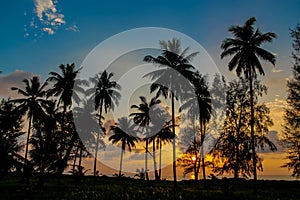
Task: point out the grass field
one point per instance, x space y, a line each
68 187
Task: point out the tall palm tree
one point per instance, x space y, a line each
125 134
199 108
143 119
33 103
171 78
65 88
245 47
105 94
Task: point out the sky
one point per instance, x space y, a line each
38 35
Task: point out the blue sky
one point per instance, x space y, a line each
205 21
38 35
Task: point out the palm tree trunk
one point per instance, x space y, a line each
195 161
80 157
160 154
97 139
174 140
146 160
252 125
121 160
65 159
27 140
154 161
202 132
96 154
203 164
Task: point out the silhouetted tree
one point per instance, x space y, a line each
87 126
190 143
171 79
65 88
246 51
10 132
232 153
45 142
105 94
33 104
199 108
291 129
143 119
124 133
165 135
160 132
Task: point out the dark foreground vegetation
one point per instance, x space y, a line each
68 187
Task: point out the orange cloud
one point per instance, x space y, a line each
13 80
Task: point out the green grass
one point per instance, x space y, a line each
68 187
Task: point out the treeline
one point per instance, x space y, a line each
53 142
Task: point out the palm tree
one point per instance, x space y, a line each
171 78
106 95
33 103
65 87
246 51
125 134
163 136
87 125
199 108
143 119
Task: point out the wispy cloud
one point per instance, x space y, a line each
73 28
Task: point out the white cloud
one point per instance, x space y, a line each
48 19
46 11
49 31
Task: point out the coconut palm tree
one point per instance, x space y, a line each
65 85
33 103
245 49
199 108
125 134
163 136
143 119
65 88
171 79
105 94
86 122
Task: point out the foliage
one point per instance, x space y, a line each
291 128
33 104
233 150
146 113
123 133
172 78
105 94
10 132
245 49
